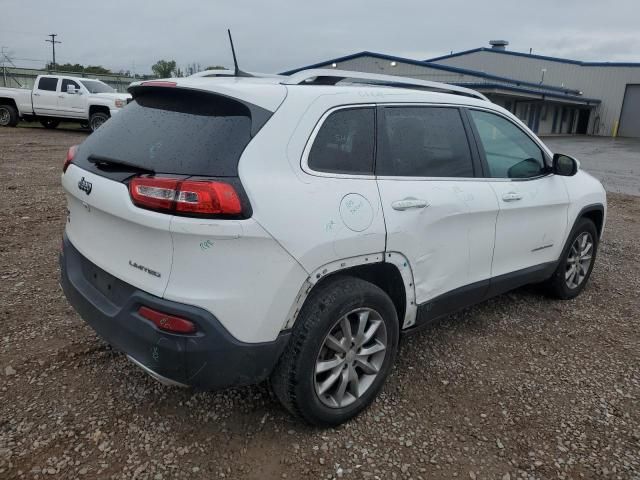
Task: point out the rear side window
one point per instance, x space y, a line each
174 131
47 83
424 142
345 143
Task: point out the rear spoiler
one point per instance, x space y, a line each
259 115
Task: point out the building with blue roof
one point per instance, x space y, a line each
551 95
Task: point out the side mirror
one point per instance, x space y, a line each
71 89
564 165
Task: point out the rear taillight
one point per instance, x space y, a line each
166 322
200 197
70 154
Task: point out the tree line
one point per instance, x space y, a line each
161 69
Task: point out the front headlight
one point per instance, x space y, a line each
120 103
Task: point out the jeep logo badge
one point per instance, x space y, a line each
84 186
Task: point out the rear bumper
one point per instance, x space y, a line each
211 359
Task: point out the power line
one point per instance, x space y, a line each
53 42
4 59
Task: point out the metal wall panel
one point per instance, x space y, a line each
630 116
606 83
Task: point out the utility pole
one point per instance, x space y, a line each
53 42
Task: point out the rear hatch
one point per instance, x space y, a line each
169 152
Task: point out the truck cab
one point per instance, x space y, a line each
57 98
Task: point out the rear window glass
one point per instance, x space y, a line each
174 131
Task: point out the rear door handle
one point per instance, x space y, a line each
60 96
407 203
512 197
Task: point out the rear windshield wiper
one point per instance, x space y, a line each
115 164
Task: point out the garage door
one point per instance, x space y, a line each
630 116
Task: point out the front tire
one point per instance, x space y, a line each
97 119
50 124
576 264
8 116
341 351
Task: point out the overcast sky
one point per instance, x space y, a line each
276 35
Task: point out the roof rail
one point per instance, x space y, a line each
325 76
223 72
218 72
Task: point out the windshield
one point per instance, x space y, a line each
96 86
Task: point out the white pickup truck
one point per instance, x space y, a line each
57 98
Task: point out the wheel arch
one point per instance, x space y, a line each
389 271
9 101
99 108
595 213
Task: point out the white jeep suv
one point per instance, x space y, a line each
223 231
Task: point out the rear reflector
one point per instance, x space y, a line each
70 154
166 322
200 197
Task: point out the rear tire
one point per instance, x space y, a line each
576 263
325 376
50 124
97 119
8 116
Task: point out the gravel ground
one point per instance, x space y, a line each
614 161
518 387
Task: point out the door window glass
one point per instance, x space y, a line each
509 152
424 142
345 142
47 83
66 82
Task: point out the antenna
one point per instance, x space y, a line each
237 71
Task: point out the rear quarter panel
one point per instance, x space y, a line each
235 270
22 98
317 219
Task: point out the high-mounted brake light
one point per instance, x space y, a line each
200 197
158 83
70 154
166 322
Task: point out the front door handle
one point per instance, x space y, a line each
512 197
36 94
407 203
60 96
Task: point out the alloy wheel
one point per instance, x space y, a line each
96 123
579 260
350 357
5 117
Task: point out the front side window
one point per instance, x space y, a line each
66 82
509 152
47 83
424 142
345 143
